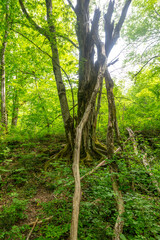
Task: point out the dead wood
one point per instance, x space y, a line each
41 221
131 134
76 157
32 229
144 160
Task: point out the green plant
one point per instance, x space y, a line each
10 215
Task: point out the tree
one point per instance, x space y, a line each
91 75
4 119
51 36
88 68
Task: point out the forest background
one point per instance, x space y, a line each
38 129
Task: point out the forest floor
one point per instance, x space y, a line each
33 196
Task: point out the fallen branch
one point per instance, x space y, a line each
94 169
41 221
131 134
35 223
144 160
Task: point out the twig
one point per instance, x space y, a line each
71 89
32 43
41 221
68 39
156 12
94 169
112 62
146 64
34 224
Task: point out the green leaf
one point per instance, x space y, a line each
122 237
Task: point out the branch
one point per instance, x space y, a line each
34 224
109 26
131 134
157 56
112 34
118 27
41 221
95 36
32 43
71 89
76 155
68 39
156 12
113 62
32 22
70 3
94 169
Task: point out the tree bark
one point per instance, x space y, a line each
4 118
51 36
15 109
111 36
76 155
88 72
112 118
68 121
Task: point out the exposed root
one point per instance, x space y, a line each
100 145
100 152
92 154
66 152
88 158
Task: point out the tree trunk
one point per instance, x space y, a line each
15 109
112 34
50 34
112 118
67 119
76 155
88 71
4 118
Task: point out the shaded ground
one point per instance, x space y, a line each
29 192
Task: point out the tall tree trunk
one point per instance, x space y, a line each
112 34
68 121
50 34
88 70
76 155
4 117
15 109
112 118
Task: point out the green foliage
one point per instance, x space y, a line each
10 215
98 208
31 144
141 217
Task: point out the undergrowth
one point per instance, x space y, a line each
29 192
